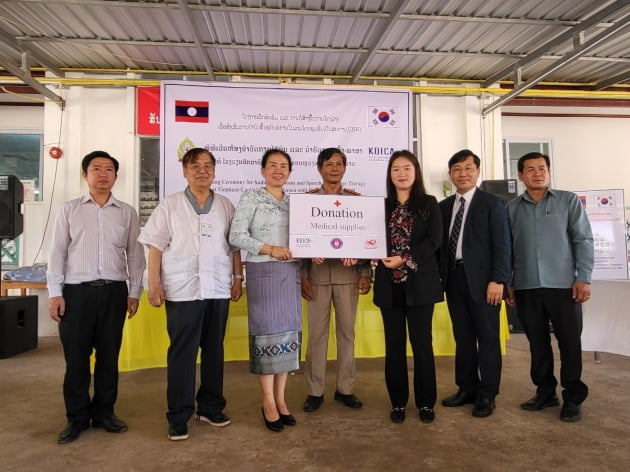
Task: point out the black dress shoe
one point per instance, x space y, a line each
288 420
397 415
458 399
275 426
483 407
540 402
111 424
312 403
570 412
72 431
349 400
427 415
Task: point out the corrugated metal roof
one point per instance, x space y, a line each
451 39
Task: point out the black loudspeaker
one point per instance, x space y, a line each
18 325
11 199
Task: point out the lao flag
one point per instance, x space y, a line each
191 112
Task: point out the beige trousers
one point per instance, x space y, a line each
344 298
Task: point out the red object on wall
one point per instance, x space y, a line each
148 111
55 152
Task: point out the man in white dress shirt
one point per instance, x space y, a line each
93 254
195 273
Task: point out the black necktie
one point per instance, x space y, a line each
457 226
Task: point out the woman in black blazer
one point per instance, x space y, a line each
407 285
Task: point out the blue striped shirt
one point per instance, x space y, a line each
91 242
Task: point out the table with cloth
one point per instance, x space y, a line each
145 340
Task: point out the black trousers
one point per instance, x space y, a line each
419 320
192 325
476 331
93 320
536 307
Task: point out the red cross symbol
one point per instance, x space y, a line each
337 203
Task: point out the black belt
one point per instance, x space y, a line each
101 282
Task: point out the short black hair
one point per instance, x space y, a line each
192 156
269 152
532 155
93 155
327 153
462 155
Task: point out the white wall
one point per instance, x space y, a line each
449 124
22 118
93 118
589 153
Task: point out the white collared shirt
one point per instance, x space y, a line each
196 254
468 196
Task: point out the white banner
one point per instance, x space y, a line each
606 213
238 122
337 226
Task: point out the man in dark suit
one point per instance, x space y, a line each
475 261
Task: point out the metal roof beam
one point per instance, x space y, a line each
406 52
344 50
379 36
606 35
18 46
26 77
616 79
618 6
198 39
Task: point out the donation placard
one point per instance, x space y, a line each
339 226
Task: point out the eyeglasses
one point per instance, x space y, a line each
199 167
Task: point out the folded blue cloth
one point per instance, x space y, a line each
34 273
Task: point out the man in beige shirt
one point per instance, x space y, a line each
326 283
